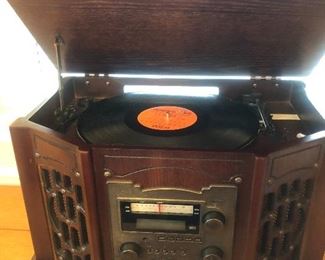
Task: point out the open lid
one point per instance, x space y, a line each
180 36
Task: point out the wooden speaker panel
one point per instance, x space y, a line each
69 208
61 180
287 197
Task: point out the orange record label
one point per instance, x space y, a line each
167 118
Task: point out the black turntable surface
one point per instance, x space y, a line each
169 122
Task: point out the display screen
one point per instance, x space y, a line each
159 208
160 224
158 216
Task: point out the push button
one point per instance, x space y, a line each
172 252
183 252
150 251
162 238
171 238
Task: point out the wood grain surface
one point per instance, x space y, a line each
197 36
15 239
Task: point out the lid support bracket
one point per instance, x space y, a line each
58 44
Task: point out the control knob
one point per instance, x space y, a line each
130 251
214 220
212 253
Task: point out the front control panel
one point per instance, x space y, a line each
171 224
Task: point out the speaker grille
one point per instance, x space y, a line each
283 218
67 216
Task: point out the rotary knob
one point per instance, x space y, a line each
212 253
214 220
130 251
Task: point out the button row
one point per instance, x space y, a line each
165 251
179 239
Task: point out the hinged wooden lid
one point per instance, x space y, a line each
180 36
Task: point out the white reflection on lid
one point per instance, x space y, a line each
188 91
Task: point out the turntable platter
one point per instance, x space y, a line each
169 122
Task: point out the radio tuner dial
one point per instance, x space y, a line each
130 251
212 253
214 220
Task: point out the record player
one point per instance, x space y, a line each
238 174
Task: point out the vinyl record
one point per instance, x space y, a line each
169 122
